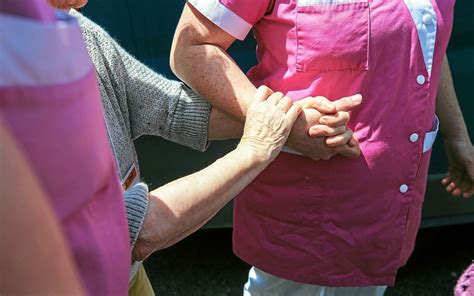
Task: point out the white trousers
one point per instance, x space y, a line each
261 283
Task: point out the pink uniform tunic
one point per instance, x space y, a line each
50 102
342 222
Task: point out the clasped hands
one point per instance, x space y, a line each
321 131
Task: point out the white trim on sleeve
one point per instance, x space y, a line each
223 17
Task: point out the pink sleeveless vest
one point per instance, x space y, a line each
50 102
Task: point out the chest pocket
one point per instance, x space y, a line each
332 35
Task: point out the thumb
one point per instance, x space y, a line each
347 151
319 103
348 103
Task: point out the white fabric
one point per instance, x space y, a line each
223 17
430 137
327 2
261 283
426 22
24 63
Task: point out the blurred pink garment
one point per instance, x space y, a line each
35 9
50 102
465 285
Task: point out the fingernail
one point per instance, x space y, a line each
357 99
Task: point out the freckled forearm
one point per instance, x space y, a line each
447 106
199 57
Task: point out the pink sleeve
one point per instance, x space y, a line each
236 17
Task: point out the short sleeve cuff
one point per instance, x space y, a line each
223 17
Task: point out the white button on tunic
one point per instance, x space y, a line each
420 79
427 19
414 137
404 188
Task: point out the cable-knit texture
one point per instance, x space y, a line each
137 101
136 204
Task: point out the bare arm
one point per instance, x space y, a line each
458 146
180 207
199 57
34 258
223 126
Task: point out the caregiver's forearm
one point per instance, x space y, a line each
199 58
452 123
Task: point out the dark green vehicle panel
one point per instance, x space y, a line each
145 28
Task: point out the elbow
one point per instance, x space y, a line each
173 60
179 48
183 50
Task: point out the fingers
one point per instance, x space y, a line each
347 151
469 192
340 118
348 103
262 93
457 183
285 104
325 131
353 142
275 98
339 140
293 114
319 103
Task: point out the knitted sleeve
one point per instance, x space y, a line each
156 105
136 204
163 107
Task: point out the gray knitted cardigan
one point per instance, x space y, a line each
138 101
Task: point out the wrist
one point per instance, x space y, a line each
459 136
253 155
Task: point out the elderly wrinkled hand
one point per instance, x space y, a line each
321 131
269 121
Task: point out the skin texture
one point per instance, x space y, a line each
67 4
34 257
199 57
181 207
458 147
